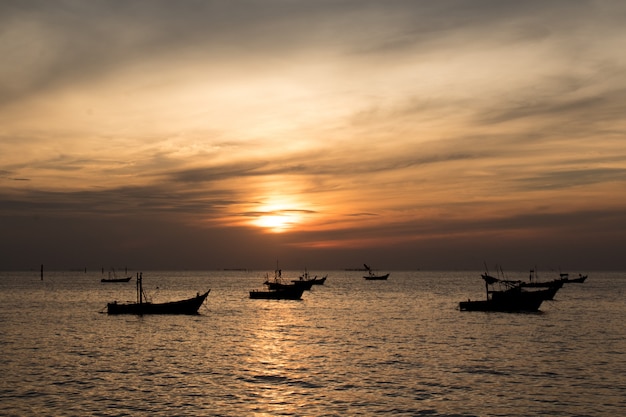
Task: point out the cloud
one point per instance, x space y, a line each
64 42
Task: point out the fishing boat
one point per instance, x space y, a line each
319 281
510 298
292 292
115 278
563 279
279 290
127 279
279 284
533 282
548 288
307 281
371 276
566 279
513 300
143 306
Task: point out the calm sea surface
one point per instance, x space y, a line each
351 347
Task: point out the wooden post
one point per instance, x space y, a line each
41 272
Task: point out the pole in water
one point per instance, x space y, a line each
41 272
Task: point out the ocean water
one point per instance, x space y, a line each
350 348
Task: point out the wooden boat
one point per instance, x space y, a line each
289 292
533 283
566 279
563 279
116 279
371 276
278 290
306 280
142 306
513 298
278 284
319 281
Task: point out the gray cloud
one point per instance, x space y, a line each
68 41
572 178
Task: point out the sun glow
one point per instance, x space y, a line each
275 222
278 214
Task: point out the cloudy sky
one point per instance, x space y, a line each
405 134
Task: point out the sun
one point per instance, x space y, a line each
278 214
275 222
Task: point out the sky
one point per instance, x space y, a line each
320 134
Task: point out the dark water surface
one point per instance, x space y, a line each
351 347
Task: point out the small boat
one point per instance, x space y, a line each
116 279
513 298
142 306
371 276
564 277
292 292
533 283
278 284
551 287
278 290
319 281
306 280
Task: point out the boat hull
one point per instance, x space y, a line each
127 279
293 293
319 281
579 280
507 302
376 277
189 307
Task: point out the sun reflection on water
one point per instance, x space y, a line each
275 361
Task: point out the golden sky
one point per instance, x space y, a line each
406 134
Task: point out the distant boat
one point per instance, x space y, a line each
278 290
533 283
306 280
314 281
513 298
290 292
548 291
278 284
142 306
114 278
564 277
371 276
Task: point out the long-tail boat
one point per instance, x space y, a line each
143 306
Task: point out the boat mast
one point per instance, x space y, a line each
139 288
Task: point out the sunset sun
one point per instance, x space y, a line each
278 214
275 222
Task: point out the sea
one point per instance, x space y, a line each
351 347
